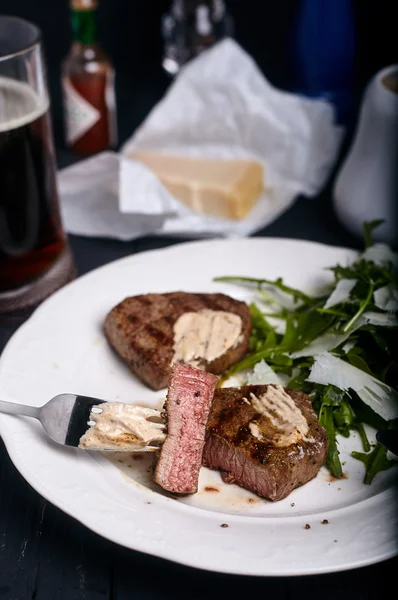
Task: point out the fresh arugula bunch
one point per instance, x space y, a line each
355 323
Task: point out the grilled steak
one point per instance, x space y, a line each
187 408
264 452
141 329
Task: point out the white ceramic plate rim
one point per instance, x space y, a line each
270 546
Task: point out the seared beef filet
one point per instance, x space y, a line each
189 397
142 330
266 439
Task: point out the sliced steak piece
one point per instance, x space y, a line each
268 450
141 329
187 408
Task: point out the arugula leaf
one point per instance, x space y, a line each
365 272
259 322
332 311
278 283
363 305
344 418
327 421
374 462
290 335
309 327
368 228
355 360
364 438
246 363
298 382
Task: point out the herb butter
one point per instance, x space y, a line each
284 415
205 335
119 426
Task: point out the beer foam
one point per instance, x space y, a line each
19 104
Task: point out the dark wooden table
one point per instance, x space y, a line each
47 555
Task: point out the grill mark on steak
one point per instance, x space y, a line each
189 398
260 466
213 304
142 350
140 329
157 334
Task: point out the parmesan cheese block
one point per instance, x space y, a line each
227 189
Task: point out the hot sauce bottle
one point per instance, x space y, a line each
88 86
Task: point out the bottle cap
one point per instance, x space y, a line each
83 4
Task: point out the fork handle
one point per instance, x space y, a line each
19 409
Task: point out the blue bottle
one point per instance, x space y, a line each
323 54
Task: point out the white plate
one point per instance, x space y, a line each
61 348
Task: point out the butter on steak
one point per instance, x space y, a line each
265 438
151 332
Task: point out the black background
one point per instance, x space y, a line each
129 31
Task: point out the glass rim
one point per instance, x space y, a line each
37 36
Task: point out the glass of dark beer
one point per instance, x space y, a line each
35 259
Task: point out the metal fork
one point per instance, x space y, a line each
66 418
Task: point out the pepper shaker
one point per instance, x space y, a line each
190 27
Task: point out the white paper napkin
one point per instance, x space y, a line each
89 198
220 106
